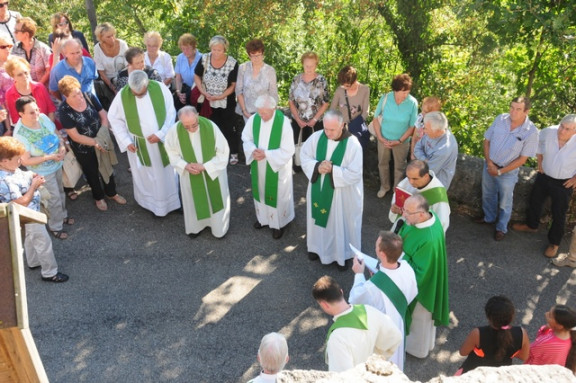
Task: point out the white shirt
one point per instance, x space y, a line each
559 163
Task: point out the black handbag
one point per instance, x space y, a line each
357 126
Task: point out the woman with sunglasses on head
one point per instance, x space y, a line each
33 50
61 21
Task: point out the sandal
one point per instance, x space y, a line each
69 221
73 195
60 234
58 278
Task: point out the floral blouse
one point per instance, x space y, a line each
308 97
14 185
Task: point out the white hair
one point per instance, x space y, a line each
437 120
273 353
219 40
568 119
334 115
68 42
187 110
265 101
138 80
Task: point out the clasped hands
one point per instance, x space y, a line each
194 168
325 167
259 154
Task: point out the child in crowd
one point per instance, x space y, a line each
496 344
556 342
429 104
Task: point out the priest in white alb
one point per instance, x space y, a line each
140 116
332 161
199 153
269 147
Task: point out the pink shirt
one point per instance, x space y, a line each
41 95
548 348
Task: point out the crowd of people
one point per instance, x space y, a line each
182 125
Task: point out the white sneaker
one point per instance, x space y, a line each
233 159
381 193
564 260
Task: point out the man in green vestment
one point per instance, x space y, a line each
358 331
425 250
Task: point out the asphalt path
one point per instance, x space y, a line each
146 303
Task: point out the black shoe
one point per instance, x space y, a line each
193 235
277 233
297 169
258 225
499 235
313 256
58 278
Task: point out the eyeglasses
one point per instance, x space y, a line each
6 46
2 5
25 73
412 213
63 24
257 56
18 30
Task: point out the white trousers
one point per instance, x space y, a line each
38 248
57 201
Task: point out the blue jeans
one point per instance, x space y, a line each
497 197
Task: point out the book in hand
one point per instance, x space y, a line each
401 196
370 262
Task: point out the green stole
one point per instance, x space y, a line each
200 182
323 192
396 296
271 178
435 195
133 120
356 318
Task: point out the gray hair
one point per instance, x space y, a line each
138 80
437 120
265 101
334 115
187 110
219 40
569 119
273 353
68 42
421 203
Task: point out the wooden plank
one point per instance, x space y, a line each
8 316
16 360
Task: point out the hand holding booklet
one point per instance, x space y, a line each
401 196
370 262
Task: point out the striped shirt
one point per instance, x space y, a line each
548 348
507 145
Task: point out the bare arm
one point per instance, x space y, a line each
471 341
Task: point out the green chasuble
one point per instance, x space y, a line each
356 318
435 195
271 177
425 251
133 120
322 193
199 183
396 296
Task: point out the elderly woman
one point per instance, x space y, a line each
60 22
186 63
33 50
255 78
352 99
19 70
215 77
109 58
21 187
5 83
44 154
157 59
82 116
309 98
135 59
394 121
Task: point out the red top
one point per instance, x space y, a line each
548 348
41 95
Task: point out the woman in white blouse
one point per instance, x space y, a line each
109 58
157 59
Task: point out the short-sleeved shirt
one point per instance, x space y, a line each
308 97
39 142
185 70
40 94
396 119
253 87
110 65
9 25
87 123
86 76
163 64
217 80
39 58
507 145
14 185
559 163
122 78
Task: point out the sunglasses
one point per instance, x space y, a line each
2 5
5 46
63 24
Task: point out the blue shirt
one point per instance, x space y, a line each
15 185
396 119
86 77
187 70
507 145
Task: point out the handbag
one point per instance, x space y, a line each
371 125
298 147
357 126
71 170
